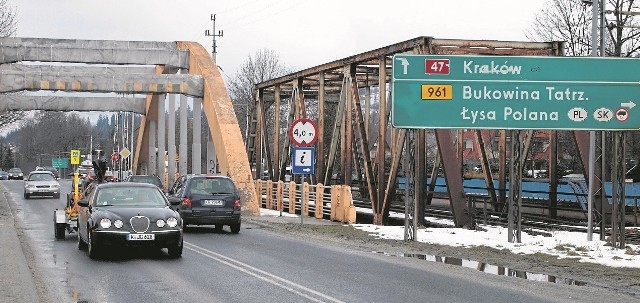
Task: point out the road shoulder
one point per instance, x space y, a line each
17 278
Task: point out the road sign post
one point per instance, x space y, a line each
511 92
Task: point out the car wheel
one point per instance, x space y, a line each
59 230
175 251
235 228
81 244
56 196
92 246
26 196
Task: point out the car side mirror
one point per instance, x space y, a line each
83 203
170 191
175 201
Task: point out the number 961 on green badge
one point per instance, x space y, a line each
437 92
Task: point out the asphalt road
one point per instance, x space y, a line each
255 265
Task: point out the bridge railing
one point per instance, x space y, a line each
333 202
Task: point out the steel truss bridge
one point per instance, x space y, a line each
345 95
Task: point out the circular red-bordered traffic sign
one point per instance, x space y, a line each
303 132
622 114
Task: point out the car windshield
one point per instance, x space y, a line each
130 197
146 179
41 177
212 186
15 170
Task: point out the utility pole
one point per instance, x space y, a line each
213 34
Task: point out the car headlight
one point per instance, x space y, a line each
30 186
55 186
160 223
118 224
105 223
172 222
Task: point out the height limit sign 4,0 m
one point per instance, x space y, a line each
303 132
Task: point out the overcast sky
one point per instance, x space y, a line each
304 33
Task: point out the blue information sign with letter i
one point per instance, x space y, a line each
303 160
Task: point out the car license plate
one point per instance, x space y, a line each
213 202
143 237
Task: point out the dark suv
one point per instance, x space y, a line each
151 179
207 200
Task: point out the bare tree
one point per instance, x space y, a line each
262 66
570 21
8 26
8 20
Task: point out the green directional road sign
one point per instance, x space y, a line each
60 162
513 92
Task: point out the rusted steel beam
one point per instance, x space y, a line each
382 137
320 158
487 51
486 168
276 134
336 134
259 112
396 155
347 164
363 148
367 56
452 176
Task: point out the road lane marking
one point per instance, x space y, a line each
263 275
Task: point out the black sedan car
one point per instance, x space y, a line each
207 200
127 215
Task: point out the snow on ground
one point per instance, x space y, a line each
562 243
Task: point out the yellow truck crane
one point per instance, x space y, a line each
66 220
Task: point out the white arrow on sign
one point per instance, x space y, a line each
405 64
629 104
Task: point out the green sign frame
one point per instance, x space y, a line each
515 92
60 162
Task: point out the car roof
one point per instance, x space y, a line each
190 176
124 185
41 172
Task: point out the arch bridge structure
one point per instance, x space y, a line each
136 77
349 100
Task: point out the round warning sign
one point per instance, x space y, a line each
303 132
622 114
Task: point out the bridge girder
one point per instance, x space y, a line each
81 104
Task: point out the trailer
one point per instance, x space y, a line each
66 220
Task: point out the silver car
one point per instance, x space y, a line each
41 183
